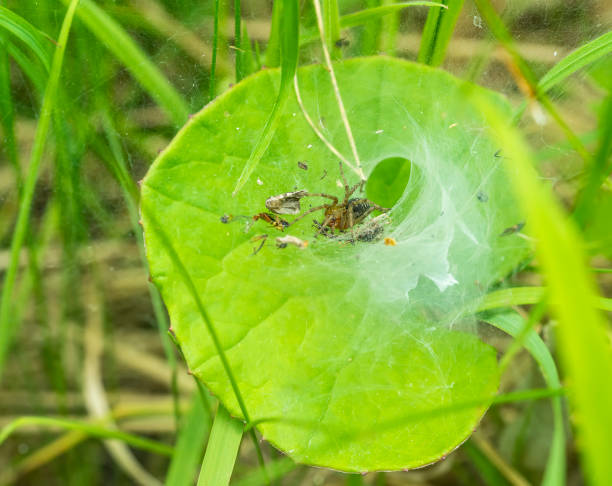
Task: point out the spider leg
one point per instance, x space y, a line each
348 191
312 210
351 217
322 194
324 225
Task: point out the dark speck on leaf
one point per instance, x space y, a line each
302 165
513 229
226 218
482 197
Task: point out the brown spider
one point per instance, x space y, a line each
338 215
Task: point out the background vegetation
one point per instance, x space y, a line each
84 353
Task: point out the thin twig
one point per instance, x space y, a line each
319 134
347 126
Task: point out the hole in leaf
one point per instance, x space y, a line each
388 181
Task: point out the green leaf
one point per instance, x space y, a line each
328 341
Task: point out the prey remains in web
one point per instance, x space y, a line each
339 216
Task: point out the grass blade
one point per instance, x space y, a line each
275 471
599 169
88 428
32 69
576 60
8 113
33 38
222 450
583 342
213 65
331 27
513 324
289 59
117 41
238 40
437 32
191 440
273 50
27 195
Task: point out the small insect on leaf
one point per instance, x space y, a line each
513 229
276 221
284 241
389 241
482 196
302 164
286 203
342 43
226 218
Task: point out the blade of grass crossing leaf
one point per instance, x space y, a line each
375 13
222 450
189 446
157 229
27 195
117 41
34 39
289 58
583 342
513 324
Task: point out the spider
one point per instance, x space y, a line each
338 215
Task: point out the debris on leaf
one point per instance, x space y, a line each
286 203
284 241
389 241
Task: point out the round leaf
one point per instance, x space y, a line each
349 352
